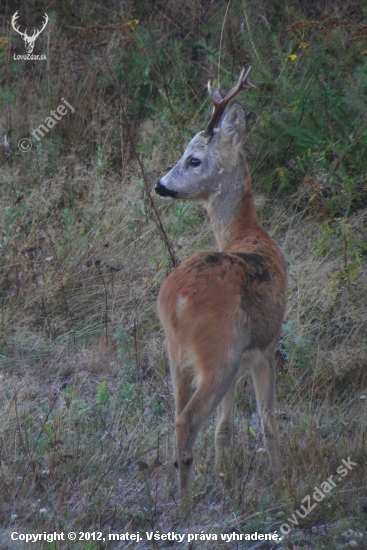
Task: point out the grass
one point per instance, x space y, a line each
86 406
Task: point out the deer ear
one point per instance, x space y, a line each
233 126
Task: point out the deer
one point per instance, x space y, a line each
29 40
222 311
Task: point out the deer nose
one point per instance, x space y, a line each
163 191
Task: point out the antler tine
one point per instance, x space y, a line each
220 104
37 33
15 16
46 21
13 21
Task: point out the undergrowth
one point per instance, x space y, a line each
86 419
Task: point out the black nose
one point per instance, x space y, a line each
163 191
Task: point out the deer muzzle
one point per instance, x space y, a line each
162 191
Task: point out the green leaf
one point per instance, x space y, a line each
103 395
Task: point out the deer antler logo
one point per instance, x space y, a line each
29 40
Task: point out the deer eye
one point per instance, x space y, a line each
195 162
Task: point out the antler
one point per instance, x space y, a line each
44 24
24 34
13 20
221 104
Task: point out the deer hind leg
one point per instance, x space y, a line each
225 418
182 388
211 389
263 374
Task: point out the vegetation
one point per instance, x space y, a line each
86 419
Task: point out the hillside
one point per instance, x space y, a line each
86 404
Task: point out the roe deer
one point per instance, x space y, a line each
221 310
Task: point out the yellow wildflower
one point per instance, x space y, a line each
132 22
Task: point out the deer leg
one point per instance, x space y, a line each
205 399
182 387
181 377
263 375
225 417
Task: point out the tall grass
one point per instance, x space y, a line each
86 419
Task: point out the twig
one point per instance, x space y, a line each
221 37
98 265
31 453
136 157
165 84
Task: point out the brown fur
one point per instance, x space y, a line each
221 311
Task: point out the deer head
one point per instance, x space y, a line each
212 155
29 40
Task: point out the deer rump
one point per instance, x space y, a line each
216 297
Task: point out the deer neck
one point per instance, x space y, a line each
232 211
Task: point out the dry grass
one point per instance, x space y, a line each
86 401
86 408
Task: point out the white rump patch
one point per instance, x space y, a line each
180 304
